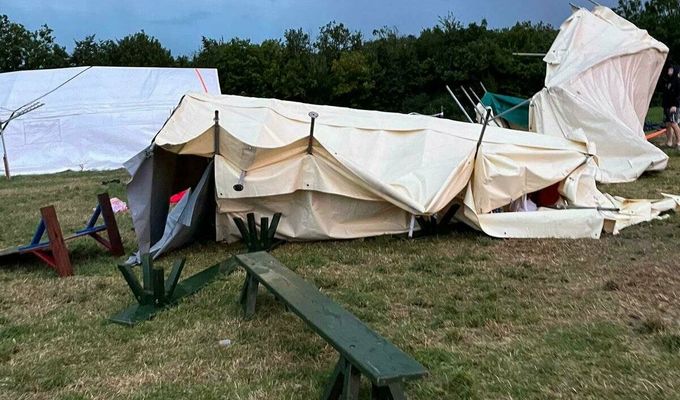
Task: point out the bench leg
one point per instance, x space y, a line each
62 261
393 391
249 296
115 244
344 383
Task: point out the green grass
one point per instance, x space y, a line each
489 318
655 115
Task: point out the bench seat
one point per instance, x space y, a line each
362 350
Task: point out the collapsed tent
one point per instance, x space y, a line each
601 75
93 118
357 174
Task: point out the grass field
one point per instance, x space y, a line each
489 318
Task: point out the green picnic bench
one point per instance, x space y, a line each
362 351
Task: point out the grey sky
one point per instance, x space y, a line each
179 24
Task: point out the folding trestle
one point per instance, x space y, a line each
345 382
156 293
154 289
262 240
53 252
114 244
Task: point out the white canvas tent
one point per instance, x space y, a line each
96 119
601 75
368 173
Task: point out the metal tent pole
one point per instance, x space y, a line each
459 105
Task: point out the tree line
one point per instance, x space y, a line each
387 71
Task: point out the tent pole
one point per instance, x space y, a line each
529 54
483 87
4 155
313 115
479 113
459 105
480 102
412 226
476 97
25 109
216 131
481 135
3 125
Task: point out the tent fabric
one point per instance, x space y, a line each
183 221
369 173
601 74
96 119
499 103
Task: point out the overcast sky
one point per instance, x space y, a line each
179 24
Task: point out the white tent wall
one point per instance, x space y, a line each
600 79
96 121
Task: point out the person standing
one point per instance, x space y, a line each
671 105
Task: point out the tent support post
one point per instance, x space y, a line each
476 97
313 115
474 106
459 104
25 109
481 135
216 131
412 226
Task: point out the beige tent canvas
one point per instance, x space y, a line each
601 74
362 173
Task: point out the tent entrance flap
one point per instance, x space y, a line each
159 227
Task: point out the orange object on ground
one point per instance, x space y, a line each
652 135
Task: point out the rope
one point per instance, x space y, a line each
200 78
56 88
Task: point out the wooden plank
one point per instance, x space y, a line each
57 245
116 245
376 358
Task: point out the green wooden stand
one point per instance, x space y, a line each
156 293
264 239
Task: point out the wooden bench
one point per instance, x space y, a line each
362 351
54 251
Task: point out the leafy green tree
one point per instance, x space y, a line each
44 52
23 49
88 52
140 50
16 41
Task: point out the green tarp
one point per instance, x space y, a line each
499 103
